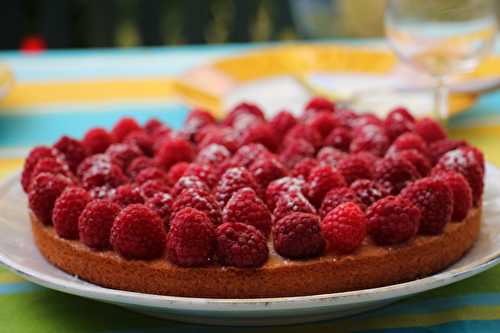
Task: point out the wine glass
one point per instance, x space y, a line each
441 38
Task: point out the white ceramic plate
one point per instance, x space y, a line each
18 252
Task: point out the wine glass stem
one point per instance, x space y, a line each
441 101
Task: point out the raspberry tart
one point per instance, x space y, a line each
249 207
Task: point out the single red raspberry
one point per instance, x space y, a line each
336 197
344 228
370 138
419 161
304 132
196 119
434 199
232 180
223 136
260 133
393 220
152 186
339 138
138 164
321 180
430 130
177 171
34 156
368 157
201 200
103 174
408 141
283 185
394 173
243 109
248 154
319 104
127 194
246 207
50 165
282 122
97 140
204 172
67 209
213 155
142 140
94 223
123 127
102 192
188 182
323 122
241 245
330 156
162 135
174 151
44 190
463 162
355 167
368 191
366 119
191 240
475 156
295 151
151 173
161 203
72 151
152 125
462 193
292 202
97 160
267 169
303 168
399 121
346 117
123 154
137 233
438 148
298 235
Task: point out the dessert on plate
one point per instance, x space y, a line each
249 207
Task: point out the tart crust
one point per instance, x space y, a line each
369 267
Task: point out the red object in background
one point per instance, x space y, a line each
33 44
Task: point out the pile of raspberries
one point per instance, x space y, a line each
222 191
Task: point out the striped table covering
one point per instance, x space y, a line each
66 92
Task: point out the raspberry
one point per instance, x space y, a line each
430 130
102 192
304 132
103 174
303 168
137 233
161 203
283 185
123 127
419 161
177 171
408 141
248 154
399 121
344 228
240 245
127 195
152 186
142 140
260 133
295 151
336 197
138 164
346 117
292 202
330 156
246 207
162 135
368 157
174 151
322 122
34 156
196 119
123 153
152 125
321 180
44 190
366 119
97 140
459 160
441 147
298 235
67 209
394 173
370 138
223 136
340 138
355 167
282 122
94 223
99 160
462 194
213 155
50 165
265 170
474 155
191 240
434 199
243 109
319 104
201 200
72 151
232 180
368 191
204 172
392 220
151 173
188 182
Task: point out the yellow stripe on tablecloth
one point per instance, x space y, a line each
7 166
